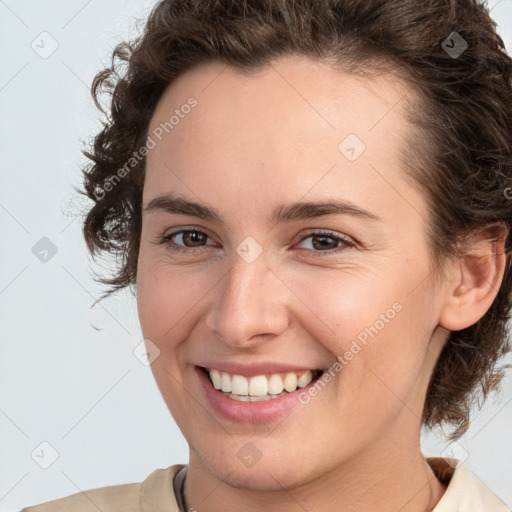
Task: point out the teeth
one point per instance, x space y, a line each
259 387
239 384
225 382
304 379
275 385
216 379
290 382
245 398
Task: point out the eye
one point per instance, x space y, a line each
327 242
191 238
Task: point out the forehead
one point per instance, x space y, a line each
292 85
287 124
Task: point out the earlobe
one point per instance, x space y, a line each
476 279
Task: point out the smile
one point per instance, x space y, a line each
254 399
260 387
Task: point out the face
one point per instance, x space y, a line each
259 286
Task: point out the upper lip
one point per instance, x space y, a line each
250 370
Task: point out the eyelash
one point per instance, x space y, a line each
166 240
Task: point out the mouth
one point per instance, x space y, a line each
259 388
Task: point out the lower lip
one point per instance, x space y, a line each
265 411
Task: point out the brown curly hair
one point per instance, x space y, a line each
458 152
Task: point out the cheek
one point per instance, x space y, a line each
165 301
167 298
375 328
344 305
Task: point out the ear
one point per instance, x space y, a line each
474 280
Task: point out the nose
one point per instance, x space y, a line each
249 305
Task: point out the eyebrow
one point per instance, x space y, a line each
284 213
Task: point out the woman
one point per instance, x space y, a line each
310 200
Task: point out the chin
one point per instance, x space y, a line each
266 475
265 478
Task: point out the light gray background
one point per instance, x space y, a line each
68 373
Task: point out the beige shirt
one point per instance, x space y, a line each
155 494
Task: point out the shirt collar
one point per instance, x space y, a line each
463 492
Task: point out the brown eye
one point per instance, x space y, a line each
324 242
327 243
185 240
193 238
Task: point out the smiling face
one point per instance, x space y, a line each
266 283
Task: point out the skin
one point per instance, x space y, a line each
252 143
